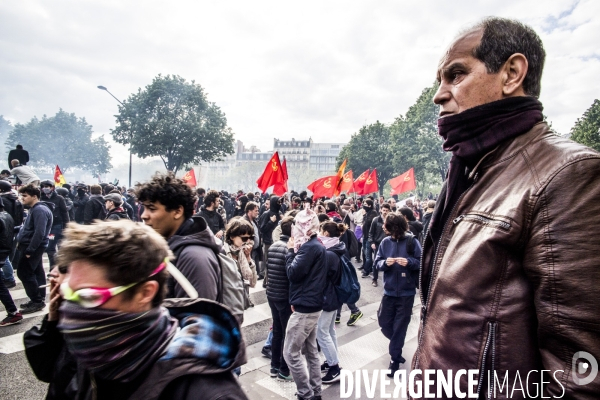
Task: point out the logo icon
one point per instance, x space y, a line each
327 183
406 178
369 181
274 166
583 367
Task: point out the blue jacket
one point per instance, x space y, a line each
398 281
307 272
334 272
36 228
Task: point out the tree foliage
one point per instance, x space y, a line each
587 128
416 143
5 128
62 139
370 148
172 119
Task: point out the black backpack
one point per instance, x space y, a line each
352 244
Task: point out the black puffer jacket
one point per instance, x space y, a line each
116 214
376 233
278 288
213 219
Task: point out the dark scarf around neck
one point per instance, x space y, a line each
472 134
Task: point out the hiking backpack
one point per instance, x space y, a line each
348 287
232 292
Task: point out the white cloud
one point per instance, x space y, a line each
277 69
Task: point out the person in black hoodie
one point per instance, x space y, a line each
7 235
14 207
210 213
267 222
174 349
278 296
94 207
376 235
416 228
168 208
60 217
369 214
326 336
64 193
80 201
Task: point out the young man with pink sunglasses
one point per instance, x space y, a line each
109 317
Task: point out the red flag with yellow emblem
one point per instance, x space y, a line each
359 183
340 177
190 178
347 184
281 188
371 184
323 187
403 183
272 175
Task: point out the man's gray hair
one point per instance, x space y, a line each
504 37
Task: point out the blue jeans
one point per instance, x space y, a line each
6 299
327 337
368 254
7 271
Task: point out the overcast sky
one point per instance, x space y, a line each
276 68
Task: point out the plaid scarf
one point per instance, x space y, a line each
115 345
473 133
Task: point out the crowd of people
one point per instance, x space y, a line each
505 265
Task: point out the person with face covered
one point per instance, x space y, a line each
60 217
127 343
368 213
267 222
79 202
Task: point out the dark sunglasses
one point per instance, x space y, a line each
245 238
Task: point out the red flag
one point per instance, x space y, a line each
371 184
323 187
59 178
272 175
359 183
403 183
281 188
190 178
347 184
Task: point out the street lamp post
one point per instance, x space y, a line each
130 155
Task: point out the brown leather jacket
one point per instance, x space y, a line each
514 283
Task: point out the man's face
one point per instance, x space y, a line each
162 221
27 200
253 214
392 202
109 205
384 212
464 80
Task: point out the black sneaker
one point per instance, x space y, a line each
365 275
354 317
12 319
333 375
32 307
338 319
324 367
374 283
266 352
273 372
394 366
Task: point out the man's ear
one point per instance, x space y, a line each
178 213
514 72
146 292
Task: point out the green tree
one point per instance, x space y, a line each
587 128
370 148
416 143
62 139
172 119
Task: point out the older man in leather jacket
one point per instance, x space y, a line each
509 272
